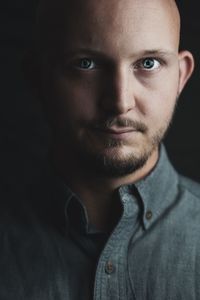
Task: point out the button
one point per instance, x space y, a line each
109 268
149 215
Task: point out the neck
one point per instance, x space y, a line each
97 193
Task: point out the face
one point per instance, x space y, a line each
112 89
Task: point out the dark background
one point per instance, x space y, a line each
23 130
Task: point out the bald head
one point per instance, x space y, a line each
105 61
55 19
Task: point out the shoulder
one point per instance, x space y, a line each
190 186
189 200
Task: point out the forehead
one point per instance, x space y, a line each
101 22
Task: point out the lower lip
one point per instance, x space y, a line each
125 135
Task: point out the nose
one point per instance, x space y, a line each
118 95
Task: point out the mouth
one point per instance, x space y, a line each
116 130
122 133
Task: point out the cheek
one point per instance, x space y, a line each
75 100
156 95
162 112
160 103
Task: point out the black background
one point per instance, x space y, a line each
23 130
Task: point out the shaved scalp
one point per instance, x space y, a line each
53 18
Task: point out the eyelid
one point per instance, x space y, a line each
75 63
138 63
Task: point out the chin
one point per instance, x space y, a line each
115 162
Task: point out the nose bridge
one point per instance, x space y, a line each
121 89
122 85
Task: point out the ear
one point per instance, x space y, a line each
186 67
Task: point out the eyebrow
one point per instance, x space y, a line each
151 52
158 52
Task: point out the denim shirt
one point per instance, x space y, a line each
49 251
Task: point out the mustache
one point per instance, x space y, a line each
119 122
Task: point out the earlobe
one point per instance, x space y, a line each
186 67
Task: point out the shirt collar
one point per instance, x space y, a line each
75 212
158 190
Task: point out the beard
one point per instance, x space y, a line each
69 149
115 165
110 162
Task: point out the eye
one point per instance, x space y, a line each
149 64
85 64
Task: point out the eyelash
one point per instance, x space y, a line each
136 66
78 63
139 66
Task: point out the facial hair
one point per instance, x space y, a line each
96 163
102 165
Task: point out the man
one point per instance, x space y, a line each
115 221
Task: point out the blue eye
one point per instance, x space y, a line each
86 64
150 64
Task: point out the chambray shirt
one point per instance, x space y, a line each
49 251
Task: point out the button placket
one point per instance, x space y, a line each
110 281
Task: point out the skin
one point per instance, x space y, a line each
111 74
